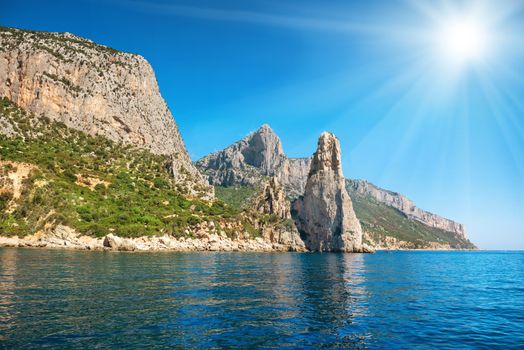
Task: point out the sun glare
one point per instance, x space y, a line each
463 41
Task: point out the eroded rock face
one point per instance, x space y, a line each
117 243
230 168
264 151
296 176
94 89
324 214
273 201
248 161
406 206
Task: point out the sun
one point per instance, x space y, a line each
462 40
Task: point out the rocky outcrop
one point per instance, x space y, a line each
264 151
229 168
94 89
245 162
272 201
54 236
406 206
250 160
212 242
297 172
324 214
121 244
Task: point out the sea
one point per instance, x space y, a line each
60 299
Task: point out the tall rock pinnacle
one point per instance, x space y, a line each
324 214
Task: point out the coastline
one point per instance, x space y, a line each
64 237
146 244
67 239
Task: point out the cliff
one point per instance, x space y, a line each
246 162
63 188
405 206
273 204
389 220
324 214
94 89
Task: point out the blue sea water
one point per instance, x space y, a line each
388 300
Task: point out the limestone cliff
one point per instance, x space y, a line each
94 89
324 214
248 161
406 206
297 172
272 201
61 188
386 216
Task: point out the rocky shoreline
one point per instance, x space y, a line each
66 238
171 244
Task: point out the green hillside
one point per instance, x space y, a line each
89 183
380 220
377 219
97 187
236 196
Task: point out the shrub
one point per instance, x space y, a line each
97 230
69 175
37 198
5 198
194 220
101 188
160 183
87 213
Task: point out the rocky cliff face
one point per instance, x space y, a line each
273 201
94 89
324 214
248 161
297 172
406 206
412 225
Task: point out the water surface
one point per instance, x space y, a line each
409 300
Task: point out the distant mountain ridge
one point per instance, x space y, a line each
406 206
249 160
235 166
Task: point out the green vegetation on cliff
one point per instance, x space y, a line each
88 183
380 220
237 196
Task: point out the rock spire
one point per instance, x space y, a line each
324 214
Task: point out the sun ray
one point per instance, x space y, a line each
504 116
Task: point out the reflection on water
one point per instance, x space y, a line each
61 299
7 290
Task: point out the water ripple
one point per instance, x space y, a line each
403 300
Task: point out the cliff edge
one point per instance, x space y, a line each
94 89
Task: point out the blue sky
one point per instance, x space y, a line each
448 132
